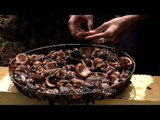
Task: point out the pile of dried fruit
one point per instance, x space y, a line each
73 71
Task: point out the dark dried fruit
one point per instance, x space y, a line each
50 81
82 71
22 58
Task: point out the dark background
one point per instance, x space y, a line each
26 32
42 23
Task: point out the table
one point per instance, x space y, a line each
144 90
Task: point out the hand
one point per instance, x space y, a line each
75 22
110 30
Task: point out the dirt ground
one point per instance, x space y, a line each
19 33
8 50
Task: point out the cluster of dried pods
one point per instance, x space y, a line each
71 71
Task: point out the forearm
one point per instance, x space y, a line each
127 21
135 18
131 19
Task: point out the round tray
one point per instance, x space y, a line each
88 97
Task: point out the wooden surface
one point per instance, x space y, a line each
144 90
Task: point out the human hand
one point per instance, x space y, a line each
109 31
75 22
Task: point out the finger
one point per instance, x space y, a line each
89 20
90 24
92 32
102 28
104 41
73 29
95 36
100 41
74 24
